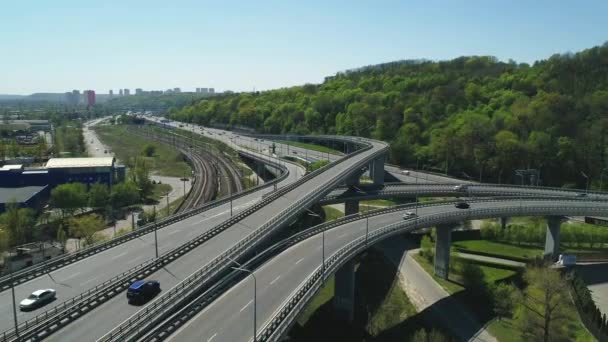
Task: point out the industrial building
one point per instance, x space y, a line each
30 186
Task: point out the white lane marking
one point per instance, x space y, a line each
174 232
275 279
119 255
212 337
88 281
226 212
299 261
72 276
246 305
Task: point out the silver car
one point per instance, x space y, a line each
38 298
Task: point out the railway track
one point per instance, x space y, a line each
212 173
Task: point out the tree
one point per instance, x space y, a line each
18 223
69 197
543 314
148 150
503 298
124 194
85 227
98 195
473 277
61 236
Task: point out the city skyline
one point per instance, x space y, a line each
241 46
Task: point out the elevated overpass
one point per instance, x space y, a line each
288 281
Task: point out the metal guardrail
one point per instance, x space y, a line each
183 291
50 265
275 328
447 190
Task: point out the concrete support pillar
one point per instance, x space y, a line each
503 222
442 250
376 170
351 207
552 237
344 292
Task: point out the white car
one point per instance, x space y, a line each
409 214
37 298
405 172
461 187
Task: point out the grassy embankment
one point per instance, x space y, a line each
166 161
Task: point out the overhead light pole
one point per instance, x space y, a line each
242 269
587 186
312 213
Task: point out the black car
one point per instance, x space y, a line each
142 290
462 205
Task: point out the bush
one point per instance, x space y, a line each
427 248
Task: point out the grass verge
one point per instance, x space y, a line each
165 162
332 213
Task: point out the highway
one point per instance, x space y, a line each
78 277
230 317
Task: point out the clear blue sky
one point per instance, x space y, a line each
59 45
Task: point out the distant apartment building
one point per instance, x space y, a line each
120 92
89 97
111 92
127 92
177 90
139 91
72 98
211 90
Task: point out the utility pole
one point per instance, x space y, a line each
10 267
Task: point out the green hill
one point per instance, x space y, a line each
470 114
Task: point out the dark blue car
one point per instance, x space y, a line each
142 290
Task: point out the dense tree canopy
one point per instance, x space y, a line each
473 115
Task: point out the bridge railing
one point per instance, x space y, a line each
183 291
277 326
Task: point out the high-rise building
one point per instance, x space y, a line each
177 90
111 93
89 96
72 98
127 92
211 90
120 92
198 90
139 91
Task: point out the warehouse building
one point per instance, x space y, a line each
25 196
82 170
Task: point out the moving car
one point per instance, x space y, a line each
37 299
462 205
460 187
405 172
409 214
142 290
581 194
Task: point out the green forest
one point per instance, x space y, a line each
474 116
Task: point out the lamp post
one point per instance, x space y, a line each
587 177
10 267
242 269
155 237
312 213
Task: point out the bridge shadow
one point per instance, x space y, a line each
593 274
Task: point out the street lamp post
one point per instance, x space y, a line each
10 267
312 213
587 177
242 269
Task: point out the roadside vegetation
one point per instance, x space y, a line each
383 312
487 116
534 305
129 148
523 239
